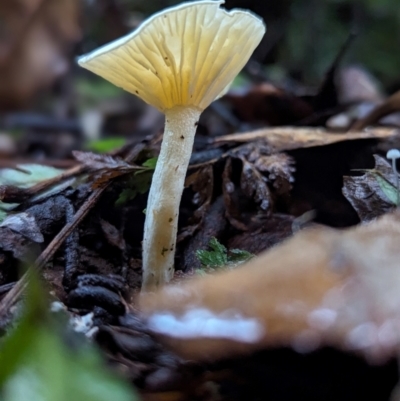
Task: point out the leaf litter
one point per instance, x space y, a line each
253 194
272 174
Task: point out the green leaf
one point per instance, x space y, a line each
239 256
32 174
150 163
36 363
17 340
387 188
138 182
105 145
51 371
3 214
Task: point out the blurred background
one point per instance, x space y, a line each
49 106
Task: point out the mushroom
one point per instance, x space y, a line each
179 61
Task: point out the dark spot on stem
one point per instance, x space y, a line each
137 92
196 123
182 137
166 58
163 251
176 168
170 219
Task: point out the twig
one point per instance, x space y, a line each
14 163
6 287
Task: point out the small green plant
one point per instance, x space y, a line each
138 182
218 256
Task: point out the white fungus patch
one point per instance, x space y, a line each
198 323
82 324
322 318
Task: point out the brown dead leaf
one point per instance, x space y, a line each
323 287
113 235
247 196
35 40
271 231
279 168
254 186
104 167
95 161
289 138
365 192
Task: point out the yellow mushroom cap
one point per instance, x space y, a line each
186 55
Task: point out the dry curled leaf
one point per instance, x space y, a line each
107 167
254 186
95 161
246 196
323 287
279 168
289 138
366 193
24 224
271 231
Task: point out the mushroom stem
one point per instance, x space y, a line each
165 194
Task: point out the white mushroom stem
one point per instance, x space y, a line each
165 194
